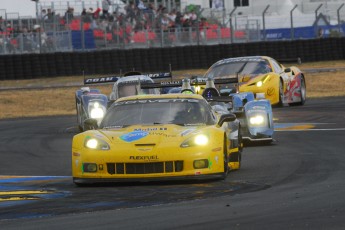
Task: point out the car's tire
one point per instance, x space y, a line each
78 118
303 93
226 161
240 148
78 184
236 157
281 94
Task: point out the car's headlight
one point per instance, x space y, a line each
197 140
197 89
96 111
95 143
259 84
262 81
257 120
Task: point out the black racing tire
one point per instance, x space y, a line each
236 157
80 127
281 94
78 184
303 93
240 148
226 161
239 159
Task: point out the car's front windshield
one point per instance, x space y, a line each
158 111
230 69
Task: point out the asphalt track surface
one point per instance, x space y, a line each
297 182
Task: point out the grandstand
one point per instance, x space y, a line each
80 25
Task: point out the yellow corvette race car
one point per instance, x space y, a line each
157 137
262 75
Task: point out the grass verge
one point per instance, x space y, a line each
61 101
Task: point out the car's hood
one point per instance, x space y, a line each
249 79
243 79
150 134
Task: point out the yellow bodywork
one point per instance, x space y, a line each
269 86
150 151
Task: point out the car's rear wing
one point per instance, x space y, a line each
112 79
193 82
225 99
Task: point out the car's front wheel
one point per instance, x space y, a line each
281 94
226 161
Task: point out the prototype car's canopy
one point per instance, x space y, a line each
180 111
130 85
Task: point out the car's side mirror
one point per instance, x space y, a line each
229 117
287 70
90 124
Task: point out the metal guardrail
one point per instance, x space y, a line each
75 35
24 43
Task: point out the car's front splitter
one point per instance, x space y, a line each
214 176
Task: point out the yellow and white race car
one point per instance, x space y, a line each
262 75
157 137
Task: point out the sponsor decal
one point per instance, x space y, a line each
133 136
274 35
159 75
171 82
146 129
199 80
100 80
244 59
157 101
144 158
270 91
161 134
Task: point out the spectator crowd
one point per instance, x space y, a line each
121 21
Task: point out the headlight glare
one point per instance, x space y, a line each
97 113
96 110
257 120
201 139
197 89
94 143
259 84
197 140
